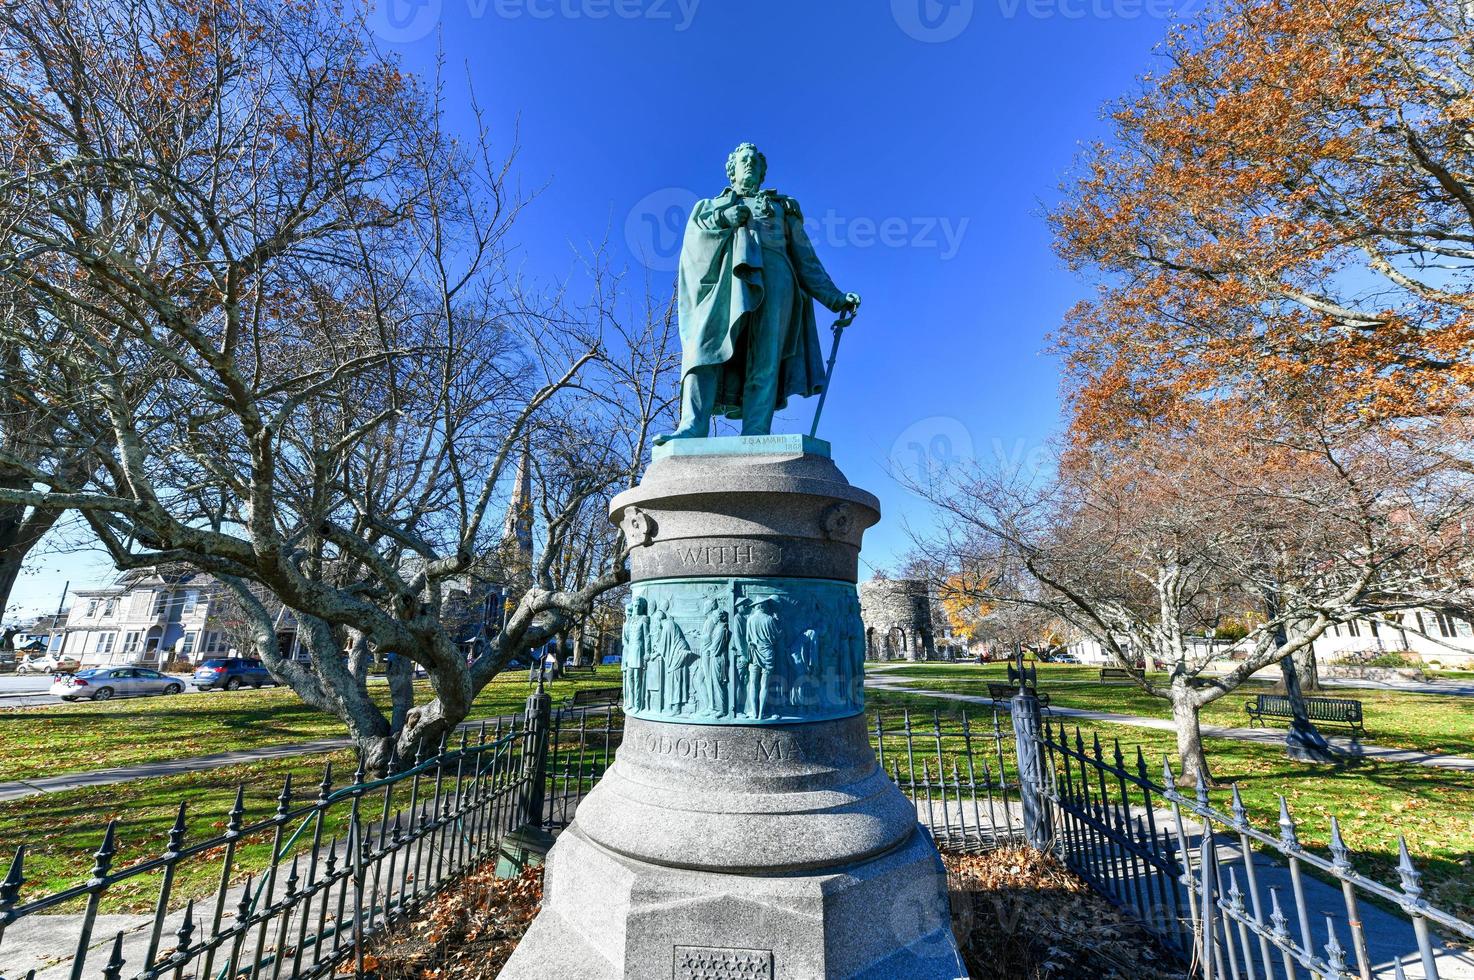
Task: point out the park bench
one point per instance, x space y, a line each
1003 692
585 669
1342 711
1115 674
597 695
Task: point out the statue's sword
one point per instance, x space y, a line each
845 319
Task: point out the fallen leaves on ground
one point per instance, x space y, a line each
466 932
1022 915
1018 915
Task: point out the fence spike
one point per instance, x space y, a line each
103 858
1277 917
332 860
1120 758
1141 765
10 887
1169 779
1287 827
325 788
1240 812
243 907
284 798
176 833
292 878
113 970
236 818
1235 897
1335 953
185 933
1411 878
1397 971
361 772
1340 856
1200 786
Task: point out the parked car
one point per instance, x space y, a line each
613 659
47 663
102 683
232 674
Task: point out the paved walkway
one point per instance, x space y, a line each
1264 736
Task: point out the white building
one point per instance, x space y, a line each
1432 637
150 616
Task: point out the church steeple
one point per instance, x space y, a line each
517 525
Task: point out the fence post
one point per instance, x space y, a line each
1027 720
528 843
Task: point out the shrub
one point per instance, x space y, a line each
175 665
1380 660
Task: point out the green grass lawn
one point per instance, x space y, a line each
53 740
1374 801
61 830
1425 722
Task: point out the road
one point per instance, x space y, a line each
29 690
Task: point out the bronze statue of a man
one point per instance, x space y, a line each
748 276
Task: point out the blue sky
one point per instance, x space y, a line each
924 139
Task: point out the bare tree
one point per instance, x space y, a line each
1147 547
304 366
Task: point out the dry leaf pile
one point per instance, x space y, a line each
1018 915
1022 915
465 932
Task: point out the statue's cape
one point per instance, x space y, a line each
720 287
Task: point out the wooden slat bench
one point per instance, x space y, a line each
1343 711
597 695
585 669
1115 674
1003 692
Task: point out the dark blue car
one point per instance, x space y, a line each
232 674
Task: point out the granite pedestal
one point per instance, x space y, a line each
745 829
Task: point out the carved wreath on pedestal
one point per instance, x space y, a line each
638 527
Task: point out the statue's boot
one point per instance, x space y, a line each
698 395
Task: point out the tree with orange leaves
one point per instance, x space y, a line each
1290 204
1147 545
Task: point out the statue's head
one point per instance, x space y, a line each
747 168
639 606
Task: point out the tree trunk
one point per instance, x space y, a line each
1303 741
401 674
1308 670
1189 736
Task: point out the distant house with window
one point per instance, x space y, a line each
150 616
1430 636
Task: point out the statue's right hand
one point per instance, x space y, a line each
738 215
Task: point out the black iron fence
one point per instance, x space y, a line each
295 894
1231 901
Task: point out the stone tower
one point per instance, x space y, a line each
898 619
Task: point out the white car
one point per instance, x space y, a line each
47 663
103 683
